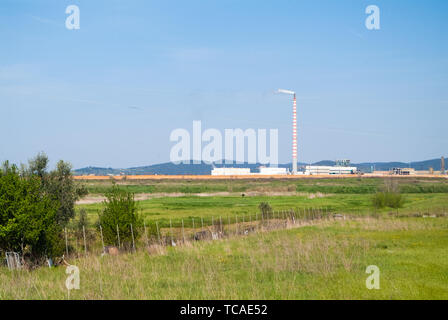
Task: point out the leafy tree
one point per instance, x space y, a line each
35 206
38 165
65 190
58 184
27 215
120 210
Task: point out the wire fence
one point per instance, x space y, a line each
152 235
169 232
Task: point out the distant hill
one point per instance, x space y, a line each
205 169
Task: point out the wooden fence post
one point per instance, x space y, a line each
236 224
171 232
102 239
158 232
133 239
183 231
146 234
66 242
84 235
118 236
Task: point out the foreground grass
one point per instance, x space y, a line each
324 261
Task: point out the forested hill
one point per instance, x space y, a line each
205 169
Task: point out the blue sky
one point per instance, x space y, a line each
110 93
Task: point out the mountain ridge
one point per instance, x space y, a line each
203 168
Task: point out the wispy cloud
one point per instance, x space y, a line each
46 21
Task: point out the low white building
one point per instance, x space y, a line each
272 171
231 171
327 170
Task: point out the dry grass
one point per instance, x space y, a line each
321 261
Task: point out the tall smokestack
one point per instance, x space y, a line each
442 165
294 129
294 136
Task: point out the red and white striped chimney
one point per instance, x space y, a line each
294 136
294 129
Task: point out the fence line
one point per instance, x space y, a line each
171 233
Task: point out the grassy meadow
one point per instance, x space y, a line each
187 208
322 259
326 185
327 260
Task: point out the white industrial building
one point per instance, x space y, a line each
272 171
231 172
327 170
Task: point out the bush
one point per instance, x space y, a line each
27 216
265 208
388 199
120 211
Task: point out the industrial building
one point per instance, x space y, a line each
231 172
273 171
327 170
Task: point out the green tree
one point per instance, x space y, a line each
65 190
38 165
27 216
59 185
120 210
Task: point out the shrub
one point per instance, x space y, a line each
387 199
265 208
379 200
120 211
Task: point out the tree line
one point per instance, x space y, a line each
37 205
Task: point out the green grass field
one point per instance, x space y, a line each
187 207
334 185
324 261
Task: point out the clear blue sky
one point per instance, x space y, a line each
110 93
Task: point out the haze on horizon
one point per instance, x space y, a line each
110 93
